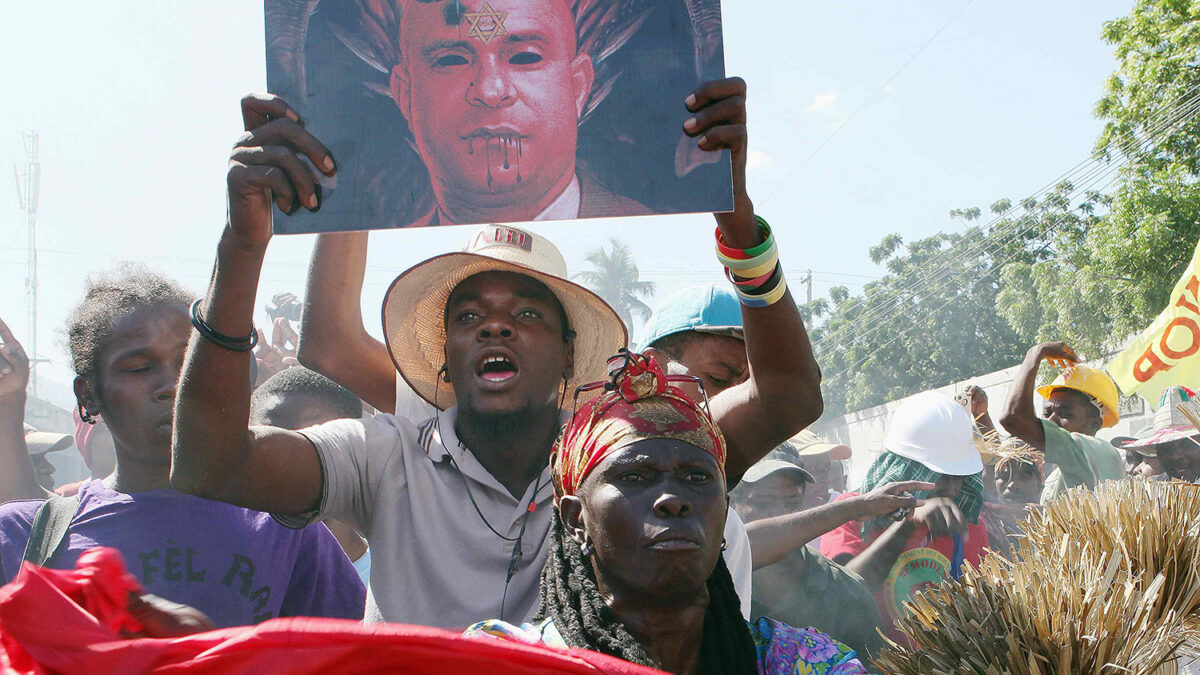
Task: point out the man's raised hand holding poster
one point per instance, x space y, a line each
486 111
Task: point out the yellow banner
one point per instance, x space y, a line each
1165 354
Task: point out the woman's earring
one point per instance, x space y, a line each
445 373
586 548
724 545
86 416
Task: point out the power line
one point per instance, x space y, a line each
997 266
954 259
1087 167
867 102
877 323
28 187
1090 176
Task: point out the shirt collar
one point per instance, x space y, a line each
566 206
438 439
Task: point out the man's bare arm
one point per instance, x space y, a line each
783 392
772 539
875 563
336 343
977 404
939 515
215 452
1020 418
18 480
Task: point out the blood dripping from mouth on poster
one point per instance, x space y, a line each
476 111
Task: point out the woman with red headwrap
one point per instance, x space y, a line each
635 567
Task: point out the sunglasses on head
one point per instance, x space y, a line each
617 367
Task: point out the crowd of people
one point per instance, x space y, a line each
527 476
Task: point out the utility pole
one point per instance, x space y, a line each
27 193
807 281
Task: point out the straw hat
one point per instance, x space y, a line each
808 444
1170 423
415 304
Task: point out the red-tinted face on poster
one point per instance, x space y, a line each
444 112
493 92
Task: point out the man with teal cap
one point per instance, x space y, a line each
698 331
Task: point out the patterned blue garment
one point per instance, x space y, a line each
784 650
781 649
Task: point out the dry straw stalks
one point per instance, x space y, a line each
1106 582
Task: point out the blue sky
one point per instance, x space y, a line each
137 107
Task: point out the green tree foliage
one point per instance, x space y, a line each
615 278
933 319
1090 263
1149 109
1111 279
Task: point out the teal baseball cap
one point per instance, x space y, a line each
710 308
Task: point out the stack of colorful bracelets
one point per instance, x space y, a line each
754 272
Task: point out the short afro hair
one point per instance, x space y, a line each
109 298
301 381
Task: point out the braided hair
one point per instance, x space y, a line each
569 596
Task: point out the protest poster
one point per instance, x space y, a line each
1165 354
490 111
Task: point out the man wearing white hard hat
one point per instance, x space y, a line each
929 439
1078 403
456 508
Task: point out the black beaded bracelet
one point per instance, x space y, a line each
206 331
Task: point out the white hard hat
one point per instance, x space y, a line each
934 430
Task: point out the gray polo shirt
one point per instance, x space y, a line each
433 560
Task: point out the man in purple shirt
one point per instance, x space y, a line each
238 566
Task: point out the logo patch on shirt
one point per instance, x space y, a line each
915 570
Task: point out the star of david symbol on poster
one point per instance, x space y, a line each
487 24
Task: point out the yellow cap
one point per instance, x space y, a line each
1093 382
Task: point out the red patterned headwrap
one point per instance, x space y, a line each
638 403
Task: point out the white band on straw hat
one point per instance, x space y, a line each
414 308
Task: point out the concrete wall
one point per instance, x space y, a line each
864 430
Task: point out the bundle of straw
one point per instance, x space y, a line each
1106 582
995 450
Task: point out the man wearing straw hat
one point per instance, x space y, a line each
1080 402
456 510
1172 439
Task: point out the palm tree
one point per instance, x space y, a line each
615 278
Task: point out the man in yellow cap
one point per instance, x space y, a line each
1080 402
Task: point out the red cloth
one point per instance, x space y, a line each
68 621
638 404
848 539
